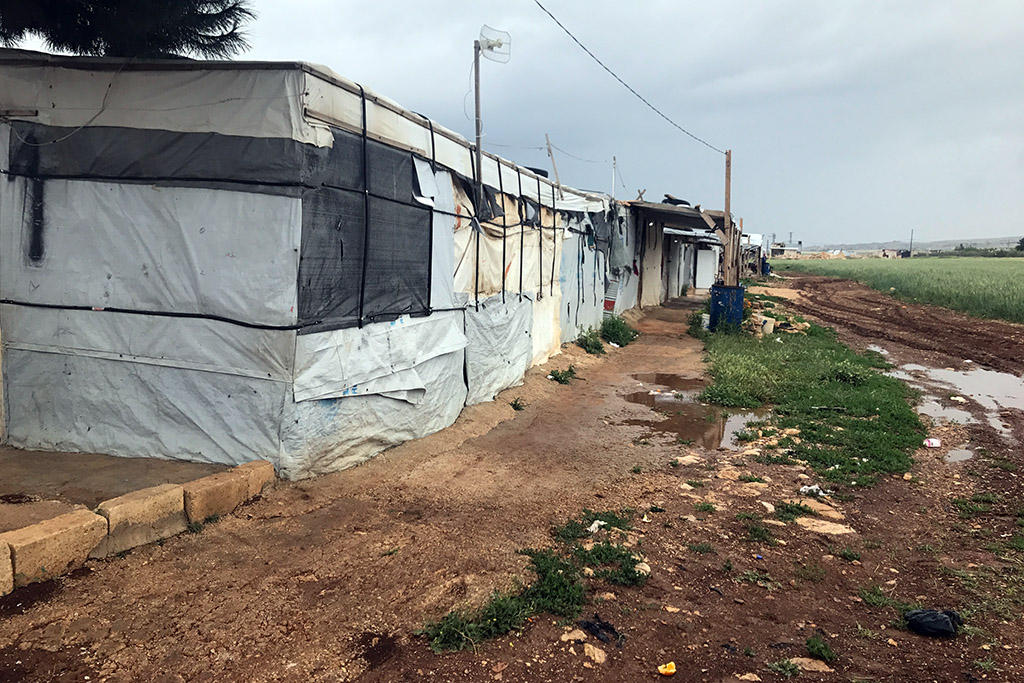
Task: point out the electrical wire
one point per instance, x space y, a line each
624 84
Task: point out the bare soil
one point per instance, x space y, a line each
328 579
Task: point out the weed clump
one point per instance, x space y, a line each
784 668
517 404
564 376
615 330
817 648
590 341
787 512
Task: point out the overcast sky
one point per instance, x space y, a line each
849 121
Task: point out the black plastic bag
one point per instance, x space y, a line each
932 623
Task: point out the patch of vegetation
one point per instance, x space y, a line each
704 507
684 442
812 572
1003 464
564 376
517 404
848 554
655 508
745 435
701 548
787 512
759 533
590 341
695 483
615 330
575 529
615 563
968 509
673 463
873 596
557 590
817 648
759 578
855 425
784 668
751 479
637 469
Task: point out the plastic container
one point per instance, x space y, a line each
726 307
705 321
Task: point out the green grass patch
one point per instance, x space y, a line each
695 483
758 578
817 648
784 668
704 507
614 563
750 479
615 330
575 529
759 533
701 548
590 341
517 404
968 509
982 287
848 554
855 422
787 512
557 590
564 376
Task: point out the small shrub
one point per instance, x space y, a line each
564 376
517 404
590 341
615 330
784 668
695 483
814 572
704 507
787 512
750 479
637 469
759 533
817 648
848 554
576 529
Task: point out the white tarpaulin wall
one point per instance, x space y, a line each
151 267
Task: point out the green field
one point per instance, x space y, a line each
983 287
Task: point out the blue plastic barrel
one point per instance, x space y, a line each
726 307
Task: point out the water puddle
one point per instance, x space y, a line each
958 455
691 422
931 407
993 391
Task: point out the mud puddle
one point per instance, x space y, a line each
991 390
691 422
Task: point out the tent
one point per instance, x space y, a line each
225 261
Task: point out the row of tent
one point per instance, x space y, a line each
224 261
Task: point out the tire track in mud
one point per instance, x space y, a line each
872 314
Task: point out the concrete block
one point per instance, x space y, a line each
260 474
56 546
6 570
141 517
216 494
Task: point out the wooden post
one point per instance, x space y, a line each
731 272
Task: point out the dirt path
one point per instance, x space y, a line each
930 330
328 579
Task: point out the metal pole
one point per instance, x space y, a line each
613 176
479 129
554 166
911 242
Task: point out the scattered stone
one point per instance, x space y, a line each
808 664
688 460
768 506
588 572
892 642
907 476
643 569
670 609
751 676
667 669
596 654
822 526
607 596
575 635
774 522
730 473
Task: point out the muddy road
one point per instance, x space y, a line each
328 579
934 332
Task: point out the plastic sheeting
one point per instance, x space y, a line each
379 358
181 250
328 435
582 280
499 347
80 403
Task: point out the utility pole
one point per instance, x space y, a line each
554 167
613 176
731 272
911 241
479 129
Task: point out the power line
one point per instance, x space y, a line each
626 85
578 158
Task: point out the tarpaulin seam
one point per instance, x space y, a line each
504 230
522 231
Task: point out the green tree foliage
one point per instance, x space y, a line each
1020 245
129 28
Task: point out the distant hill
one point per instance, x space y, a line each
982 243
